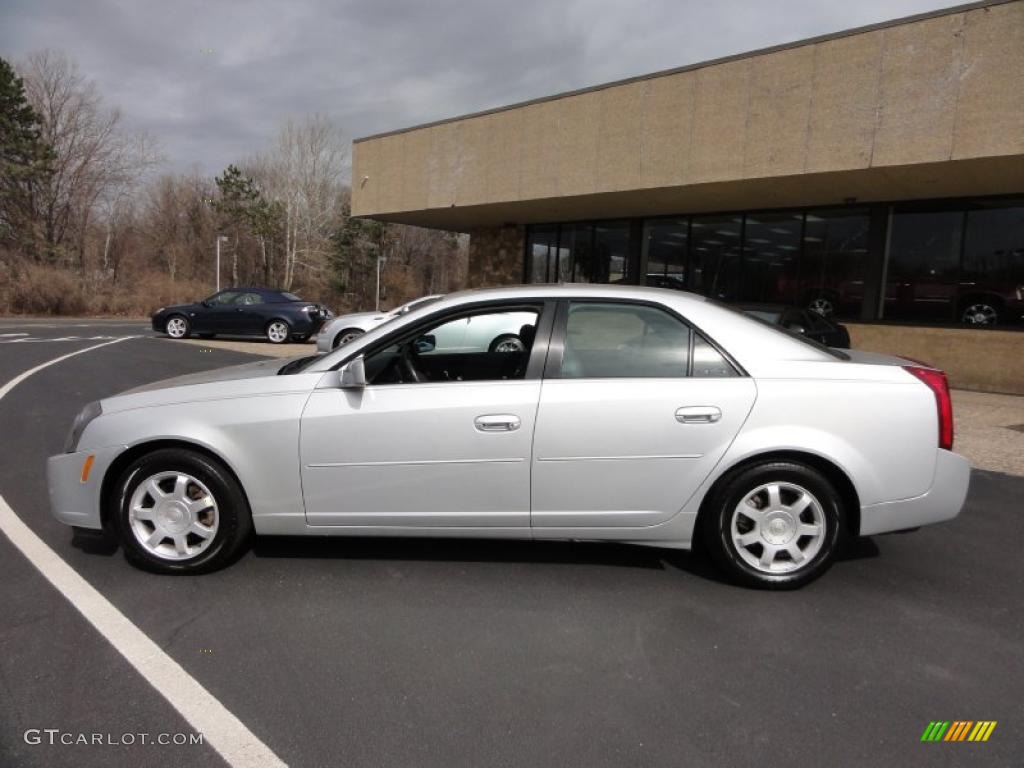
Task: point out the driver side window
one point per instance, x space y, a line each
479 346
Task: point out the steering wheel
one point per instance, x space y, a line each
408 368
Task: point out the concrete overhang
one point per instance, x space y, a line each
926 107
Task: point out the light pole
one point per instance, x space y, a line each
219 239
380 259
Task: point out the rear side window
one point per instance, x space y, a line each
624 341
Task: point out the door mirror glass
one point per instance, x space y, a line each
425 344
353 375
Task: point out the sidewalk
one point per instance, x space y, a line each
981 430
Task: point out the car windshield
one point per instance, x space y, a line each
415 304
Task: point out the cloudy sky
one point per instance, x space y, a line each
377 66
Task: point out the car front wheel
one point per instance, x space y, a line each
177 327
775 525
278 331
179 511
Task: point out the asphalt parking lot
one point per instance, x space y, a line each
422 653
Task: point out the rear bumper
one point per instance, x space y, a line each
72 501
943 500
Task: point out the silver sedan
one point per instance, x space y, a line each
637 415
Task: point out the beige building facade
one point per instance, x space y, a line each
875 175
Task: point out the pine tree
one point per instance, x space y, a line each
24 164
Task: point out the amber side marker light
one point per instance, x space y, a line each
87 467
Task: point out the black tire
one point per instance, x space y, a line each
281 337
506 337
182 318
717 519
234 528
346 335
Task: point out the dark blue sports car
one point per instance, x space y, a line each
277 315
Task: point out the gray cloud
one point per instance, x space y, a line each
377 66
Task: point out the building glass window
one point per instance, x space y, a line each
579 240
834 262
992 272
924 262
542 253
664 252
611 252
771 257
715 255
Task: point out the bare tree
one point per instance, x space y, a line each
95 159
304 171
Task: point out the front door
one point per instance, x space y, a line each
631 420
437 439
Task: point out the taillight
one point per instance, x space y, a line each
939 385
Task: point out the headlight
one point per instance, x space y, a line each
90 412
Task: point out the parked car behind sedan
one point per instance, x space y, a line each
345 328
630 414
279 316
806 322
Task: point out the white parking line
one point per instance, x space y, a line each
221 729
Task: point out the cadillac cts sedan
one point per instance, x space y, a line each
345 328
638 415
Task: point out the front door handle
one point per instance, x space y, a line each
698 414
497 422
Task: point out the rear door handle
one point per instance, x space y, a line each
698 414
497 422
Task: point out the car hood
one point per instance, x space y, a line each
176 308
249 379
358 317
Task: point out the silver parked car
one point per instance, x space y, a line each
638 415
345 328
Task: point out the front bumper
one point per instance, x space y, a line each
72 500
943 501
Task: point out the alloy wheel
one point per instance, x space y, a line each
173 516
822 306
177 327
778 527
510 345
980 314
277 332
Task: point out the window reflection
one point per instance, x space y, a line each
664 252
611 252
924 261
771 257
715 255
992 275
834 262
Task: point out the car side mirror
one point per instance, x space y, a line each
424 344
353 375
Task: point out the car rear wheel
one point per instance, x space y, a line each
347 335
775 525
177 327
278 331
180 512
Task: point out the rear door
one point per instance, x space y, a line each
635 411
